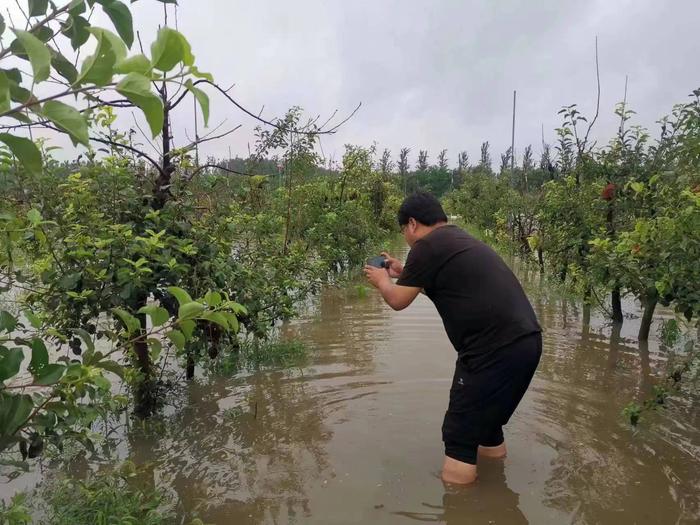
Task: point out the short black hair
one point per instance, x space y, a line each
423 207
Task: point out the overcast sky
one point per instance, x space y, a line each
436 74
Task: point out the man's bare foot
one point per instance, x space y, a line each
493 452
454 471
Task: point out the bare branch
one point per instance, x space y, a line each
136 123
222 168
597 104
130 148
207 138
39 24
37 102
276 125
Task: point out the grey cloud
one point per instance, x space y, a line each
437 74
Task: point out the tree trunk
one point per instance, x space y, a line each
647 318
586 322
540 258
162 189
189 369
616 304
214 340
144 393
615 299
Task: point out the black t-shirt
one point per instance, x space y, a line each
481 302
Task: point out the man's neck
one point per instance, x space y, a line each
425 230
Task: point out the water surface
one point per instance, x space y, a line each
353 436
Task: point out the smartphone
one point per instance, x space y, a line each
379 261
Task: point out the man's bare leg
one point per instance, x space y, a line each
454 471
493 452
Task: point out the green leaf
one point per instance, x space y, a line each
111 366
77 29
187 327
33 319
202 98
14 411
102 383
8 322
216 318
10 361
130 322
49 374
99 67
190 310
63 66
156 348
68 119
25 150
135 64
159 315
232 321
213 299
236 307
120 16
38 52
169 49
181 295
5 97
86 338
177 338
76 7
40 355
137 88
2 25
38 7
34 216
200 74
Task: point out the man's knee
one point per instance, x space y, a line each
459 472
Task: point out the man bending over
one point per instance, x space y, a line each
488 320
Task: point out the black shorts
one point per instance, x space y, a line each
485 392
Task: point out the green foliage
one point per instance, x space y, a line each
106 498
16 512
670 332
254 354
62 105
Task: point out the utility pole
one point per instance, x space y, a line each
512 140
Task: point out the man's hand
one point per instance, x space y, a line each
394 266
377 276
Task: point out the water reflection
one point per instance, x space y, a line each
475 504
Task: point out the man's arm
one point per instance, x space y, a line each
396 296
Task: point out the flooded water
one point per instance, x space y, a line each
354 435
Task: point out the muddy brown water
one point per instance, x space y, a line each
353 436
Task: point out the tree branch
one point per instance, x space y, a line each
597 104
209 137
130 148
268 122
222 168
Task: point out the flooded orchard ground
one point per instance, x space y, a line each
354 435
